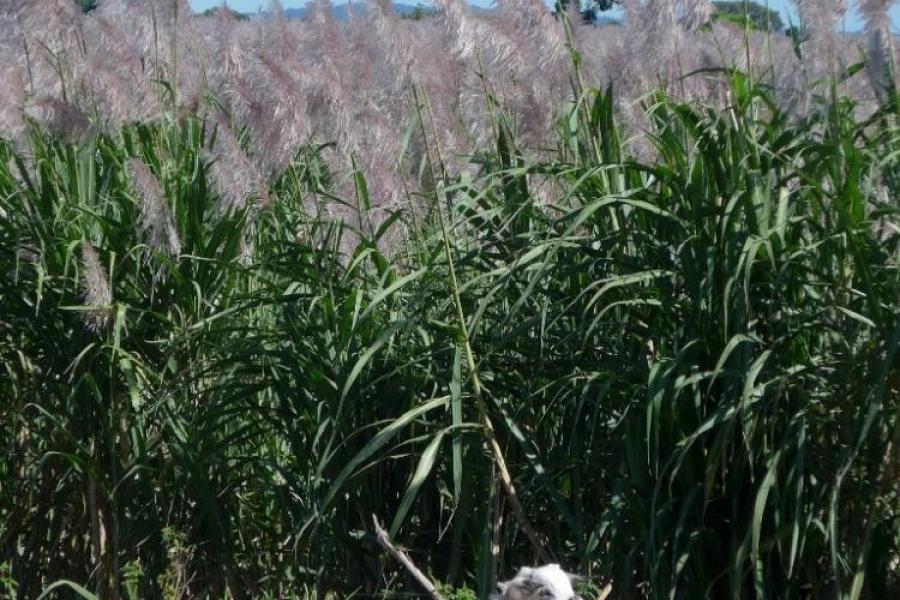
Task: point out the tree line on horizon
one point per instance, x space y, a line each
744 12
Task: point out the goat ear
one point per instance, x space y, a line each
501 586
524 572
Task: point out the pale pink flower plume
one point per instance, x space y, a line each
283 84
95 288
156 218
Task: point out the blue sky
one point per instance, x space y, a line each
785 6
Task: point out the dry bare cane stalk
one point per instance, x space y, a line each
99 537
384 541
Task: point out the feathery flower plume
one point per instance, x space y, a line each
818 18
661 17
654 39
281 38
235 177
60 119
113 72
330 53
280 127
697 13
230 55
534 30
276 14
95 289
116 9
118 97
814 14
12 125
155 217
462 29
172 11
260 80
331 80
538 69
879 45
44 38
393 39
56 24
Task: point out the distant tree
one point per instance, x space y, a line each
86 5
795 33
749 13
209 12
418 13
590 9
601 5
798 37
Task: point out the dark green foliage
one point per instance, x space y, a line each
589 9
798 39
209 12
749 13
689 362
418 13
602 5
86 5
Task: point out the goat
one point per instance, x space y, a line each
549 582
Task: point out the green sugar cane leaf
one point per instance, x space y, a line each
721 415
394 217
584 213
131 381
866 420
857 317
69 584
799 475
426 464
387 292
751 393
856 587
732 344
750 386
383 338
534 460
626 280
362 188
377 442
759 510
782 214
533 282
682 532
597 320
456 408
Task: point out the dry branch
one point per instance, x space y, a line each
384 541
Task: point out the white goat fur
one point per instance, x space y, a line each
549 582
